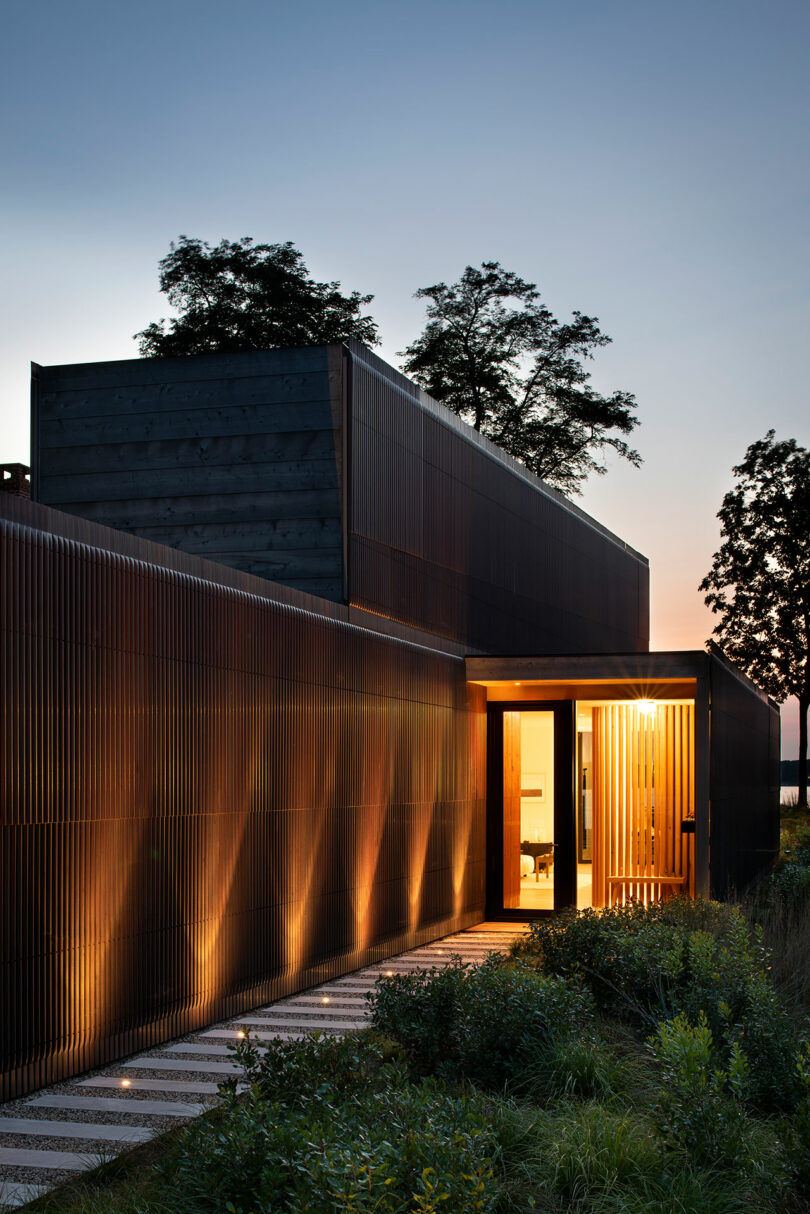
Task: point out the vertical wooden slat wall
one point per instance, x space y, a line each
448 534
210 800
644 786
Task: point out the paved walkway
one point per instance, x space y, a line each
77 1124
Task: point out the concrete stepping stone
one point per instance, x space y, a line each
117 1104
182 1065
233 1035
183 1087
322 1009
354 995
290 1021
74 1129
466 954
16 1193
202 1047
64 1161
356 987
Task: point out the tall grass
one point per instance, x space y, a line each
780 906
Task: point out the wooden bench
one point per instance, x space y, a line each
643 889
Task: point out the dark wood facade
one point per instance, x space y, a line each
449 534
240 751
230 457
326 470
210 799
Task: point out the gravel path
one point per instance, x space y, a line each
53 1133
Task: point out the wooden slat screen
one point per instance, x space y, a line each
643 789
210 800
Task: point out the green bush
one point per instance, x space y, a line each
421 1010
786 886
652 964
488 1024
333 1067
699 1107
800 1124
324 1141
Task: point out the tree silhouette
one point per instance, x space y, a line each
517 375
759 582
245 296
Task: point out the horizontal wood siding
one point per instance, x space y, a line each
210 799
235 457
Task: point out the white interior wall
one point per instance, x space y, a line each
537 771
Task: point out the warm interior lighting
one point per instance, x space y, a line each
325 999
389 973
240 1034
125 1083
646 706
517 684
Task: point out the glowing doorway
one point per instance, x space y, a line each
529 849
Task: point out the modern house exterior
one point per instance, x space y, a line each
300 671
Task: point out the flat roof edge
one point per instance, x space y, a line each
661 664
378 366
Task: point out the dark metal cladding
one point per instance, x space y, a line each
449 534
744 779
210 800
235 457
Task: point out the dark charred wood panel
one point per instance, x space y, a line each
449 534
198 452
210 800
744 780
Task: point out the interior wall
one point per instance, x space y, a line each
537 773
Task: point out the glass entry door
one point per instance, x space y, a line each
529 844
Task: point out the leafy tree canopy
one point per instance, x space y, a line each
496 356
245 296
759 583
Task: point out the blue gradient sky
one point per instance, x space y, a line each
646 163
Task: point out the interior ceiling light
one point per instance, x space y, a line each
646 706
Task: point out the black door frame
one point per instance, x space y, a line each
565 833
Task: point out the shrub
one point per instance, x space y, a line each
488 1023
681 957
421 1010
800 1124
699 1107
332 1067
388 1146
787 886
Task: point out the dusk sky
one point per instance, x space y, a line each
643 162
